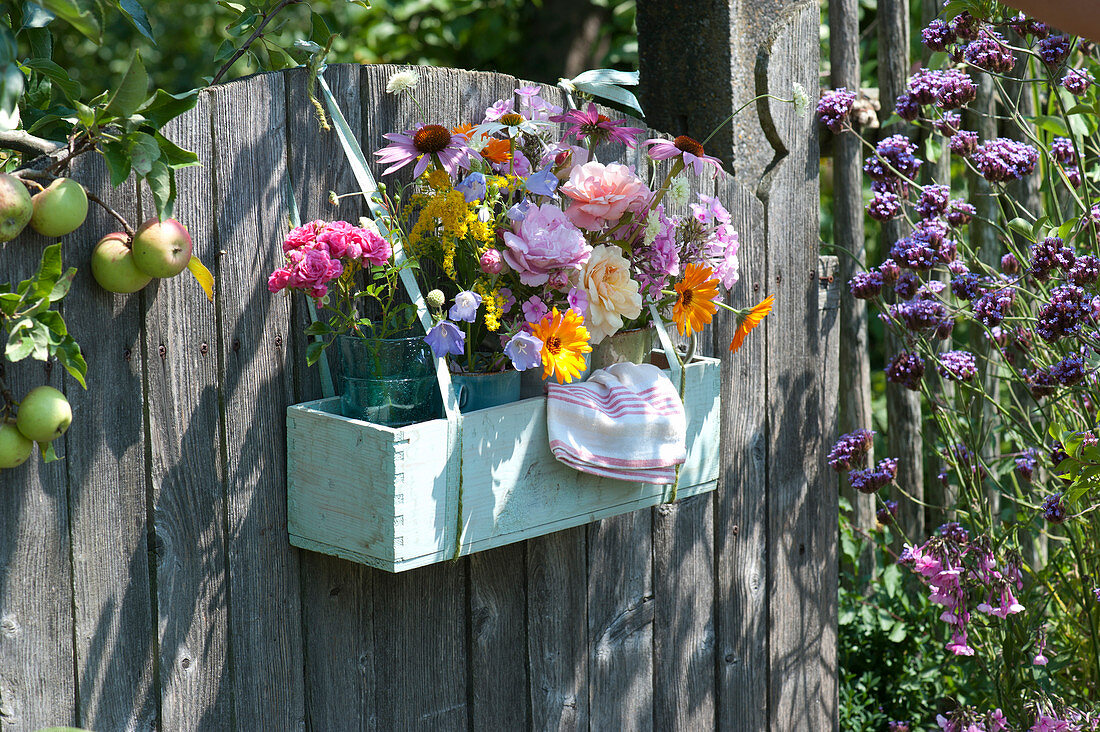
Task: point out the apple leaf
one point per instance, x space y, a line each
118 161
136 15
162 107
76 13
174 155
162 184
48 454
132 90
144 151
69 356
203 275
57 76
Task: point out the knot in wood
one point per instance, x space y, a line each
162 350
278 341
204 349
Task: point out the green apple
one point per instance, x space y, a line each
60 209
14 447
113 265
16 207
162 248
44 414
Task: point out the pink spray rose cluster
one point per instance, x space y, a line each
317 252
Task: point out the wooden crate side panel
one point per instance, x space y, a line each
264 615
187 476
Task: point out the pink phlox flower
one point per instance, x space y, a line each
420 144
693 157
507 300
534 309
499 108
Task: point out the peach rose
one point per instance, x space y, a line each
603 193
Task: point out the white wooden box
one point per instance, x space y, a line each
389 497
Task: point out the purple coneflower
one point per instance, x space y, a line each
689 149
589 123
424 144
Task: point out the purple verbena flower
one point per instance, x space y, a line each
871 480
906 285
933 201
948 124
1040 382
1001 160
992 307
1069 371
964 142
958 366
918 315
956 89
938 35
1009 264
959 213
1054 511
895 153
907 107
1085 270
1053 50
865 285
890 271
989 52
850 450
886 514
1062 150
834 107
884 206
1026 464
907 369
1077 81
1049 253
965 26
1069 308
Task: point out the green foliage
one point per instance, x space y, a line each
33 328
891 652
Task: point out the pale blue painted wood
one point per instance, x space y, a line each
387 497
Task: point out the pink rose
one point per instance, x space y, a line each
603 193
303 237
314 268
375 249
546 241
335 238
278 279
559 279
491 262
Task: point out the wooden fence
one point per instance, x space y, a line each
146 580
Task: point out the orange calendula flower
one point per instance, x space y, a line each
464 130
695 295
749 320
497 151
564 343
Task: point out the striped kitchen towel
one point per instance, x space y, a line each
626 422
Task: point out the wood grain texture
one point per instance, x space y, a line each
187 476
106 461
249 163
801 511
740 538
337 595
854 387
37 685
557 630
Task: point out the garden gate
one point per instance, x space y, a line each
146 580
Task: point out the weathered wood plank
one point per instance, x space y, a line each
337 596
683 632
854 387
264 616
801 518
420 616
115 648
741 498
557 630
37 686
187 476
620 622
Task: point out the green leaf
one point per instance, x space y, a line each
69 356
9 303
314 351
162 107
77 13
162 184
48 455
1021 227
132 91
143 150
1066 229
174 155
57 76
1054 125
61 287
11 89
49 270
36 16
318 328
897 635
118 161
136 15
